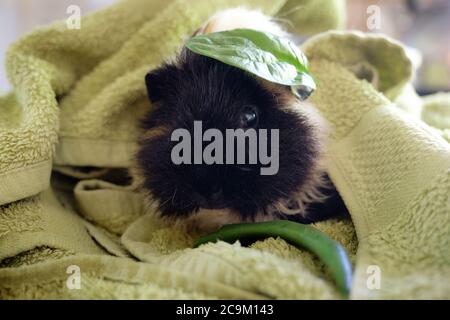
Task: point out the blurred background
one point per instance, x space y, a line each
421 24
18 17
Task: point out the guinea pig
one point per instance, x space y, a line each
192 88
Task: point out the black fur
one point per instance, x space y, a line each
200 88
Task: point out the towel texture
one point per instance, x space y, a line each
392 170
66 138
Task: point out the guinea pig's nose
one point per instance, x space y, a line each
213 200
216 195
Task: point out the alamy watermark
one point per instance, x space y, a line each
73 281
221 150
74 20
374 17
373 281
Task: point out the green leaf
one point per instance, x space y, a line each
265 55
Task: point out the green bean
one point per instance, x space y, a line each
332 254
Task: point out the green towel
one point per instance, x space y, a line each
77 97
392 170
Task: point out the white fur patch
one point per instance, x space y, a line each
240 18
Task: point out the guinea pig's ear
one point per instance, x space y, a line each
160 82
154 83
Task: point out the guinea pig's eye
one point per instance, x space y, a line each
249 117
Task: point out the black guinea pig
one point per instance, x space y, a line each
194 88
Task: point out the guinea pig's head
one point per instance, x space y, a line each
196 88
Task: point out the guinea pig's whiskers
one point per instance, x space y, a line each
244 168
174 195
164 203
187 205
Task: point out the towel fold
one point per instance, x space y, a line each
392 169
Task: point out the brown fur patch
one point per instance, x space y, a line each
135 170
154 133
208 220
310 191
281 94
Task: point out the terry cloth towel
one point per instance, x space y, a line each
77 96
